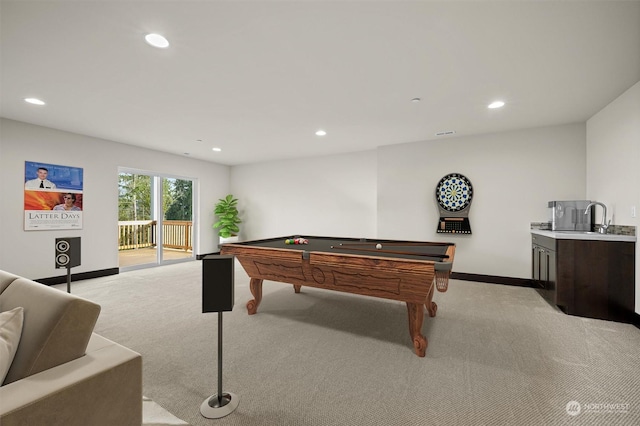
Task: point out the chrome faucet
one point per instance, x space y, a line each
605 225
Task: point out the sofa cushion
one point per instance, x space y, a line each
57 326
10 332
6 278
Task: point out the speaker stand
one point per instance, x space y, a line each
68 280
220 404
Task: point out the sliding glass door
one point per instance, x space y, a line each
177 220
155 219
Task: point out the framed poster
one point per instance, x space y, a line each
52 196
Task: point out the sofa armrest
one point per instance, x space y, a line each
57 326
103 387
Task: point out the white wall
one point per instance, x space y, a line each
329 196
31 253
389 193
613 162
514 175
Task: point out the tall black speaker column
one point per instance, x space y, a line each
67 255
217 296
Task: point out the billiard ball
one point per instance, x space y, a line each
378 246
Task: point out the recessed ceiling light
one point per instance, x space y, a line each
156 40
496 104
186 153
216 149
321 133
34 101
416 100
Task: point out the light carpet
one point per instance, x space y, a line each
497 355
155 415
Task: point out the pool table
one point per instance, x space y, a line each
407 271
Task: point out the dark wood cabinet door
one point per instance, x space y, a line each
595 279
550 282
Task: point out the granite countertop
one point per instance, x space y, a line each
577 235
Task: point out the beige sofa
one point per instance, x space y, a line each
63 373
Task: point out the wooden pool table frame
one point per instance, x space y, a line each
408 280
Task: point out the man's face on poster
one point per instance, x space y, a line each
42 174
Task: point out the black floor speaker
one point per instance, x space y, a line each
217 283
67 252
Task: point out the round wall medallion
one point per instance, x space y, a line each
454 192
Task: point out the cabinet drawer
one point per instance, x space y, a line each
542 241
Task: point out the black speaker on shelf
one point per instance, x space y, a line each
67 252
217 283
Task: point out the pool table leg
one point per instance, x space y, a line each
255 285
431 306
416 316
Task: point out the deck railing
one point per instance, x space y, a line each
142 233
177 234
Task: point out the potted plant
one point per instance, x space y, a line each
226 211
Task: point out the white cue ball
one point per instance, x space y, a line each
378 246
